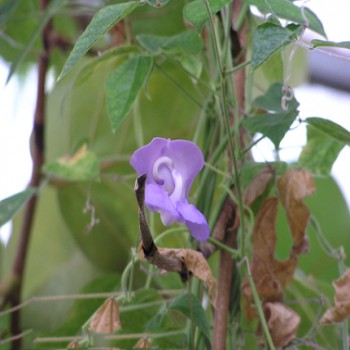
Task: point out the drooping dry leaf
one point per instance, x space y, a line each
293 187
270 276
194 262
73 345
197 265
342 300
257 186
283 323
143 343
106 319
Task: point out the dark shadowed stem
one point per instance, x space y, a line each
38 159
150 250
226 268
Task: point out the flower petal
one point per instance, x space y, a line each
143 159
195 221
188 160
158 200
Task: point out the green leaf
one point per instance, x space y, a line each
268 38
155 323
272 70
103 20
50 11
273 126
186 42
341 44
107 243
190 306
157 3
54 264
11 205
287 10
82 166
123 86
272 100
7 9
330 128
134 317
83 309
192 65
196 13
320 152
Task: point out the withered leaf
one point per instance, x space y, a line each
270 275
257 186
194 262
342 300
197 265
293 187
143 343
106 319
283 323
73 345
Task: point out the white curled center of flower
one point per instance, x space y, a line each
165 174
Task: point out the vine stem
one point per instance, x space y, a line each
259 308
227 126
38 160
227 266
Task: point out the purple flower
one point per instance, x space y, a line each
171 167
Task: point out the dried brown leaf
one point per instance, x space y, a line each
74 345
283 323
342 300
143 343
257 186
293 187
270 275
194 262
197 265
106 319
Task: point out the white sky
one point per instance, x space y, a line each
17 101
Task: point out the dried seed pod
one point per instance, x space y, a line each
106 319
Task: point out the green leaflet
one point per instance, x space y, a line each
325 140
287 10
103 20
186 42
123 86
107 243
192 65
320 43
271 101
330 128
51 10
196 13
190 306
11 205
273 126
276 121
83 166
320 152
268 38
7 9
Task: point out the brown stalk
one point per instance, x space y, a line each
226 268
38 150
150 250
229 225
